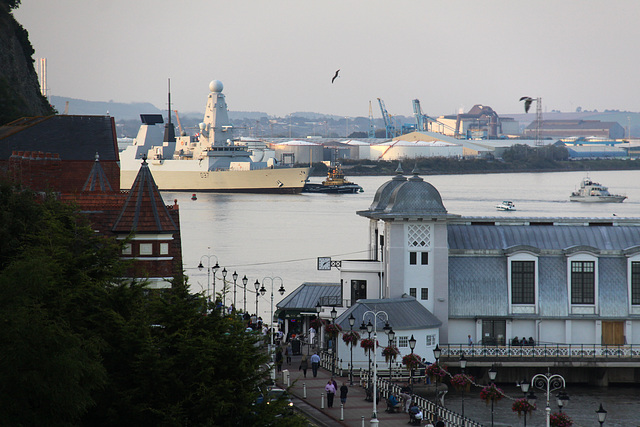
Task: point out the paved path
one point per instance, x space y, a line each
355 408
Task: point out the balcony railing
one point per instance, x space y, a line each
570 351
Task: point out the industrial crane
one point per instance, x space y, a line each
372 127
388 124
178 119
422 120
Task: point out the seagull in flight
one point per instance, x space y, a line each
527 103
335 76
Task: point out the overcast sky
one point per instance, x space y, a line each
278 56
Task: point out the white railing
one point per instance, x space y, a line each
572 351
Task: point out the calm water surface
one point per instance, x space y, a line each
282 235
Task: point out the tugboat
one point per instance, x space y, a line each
335 183
593 192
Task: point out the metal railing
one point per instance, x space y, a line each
571 351
429 408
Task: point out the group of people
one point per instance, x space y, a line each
332 388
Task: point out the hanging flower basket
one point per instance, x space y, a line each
317 323
462 382
491 392
411 361
332 330
560 419
390 352
351 338
522 406
367 344
436 370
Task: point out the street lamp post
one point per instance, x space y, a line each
365 328
524 386
224 288
492 377
551 383
387 328
257 286
262 292
334 355
436 354
562 399
463 364
602 415
392 336
235 279
209 270
352 321
244 285
412 345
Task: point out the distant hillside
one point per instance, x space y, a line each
19 89
119 110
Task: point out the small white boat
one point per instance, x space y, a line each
593 192
506 205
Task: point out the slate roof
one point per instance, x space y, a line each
543 237
72 137
307 295
144 210
404 314
97 179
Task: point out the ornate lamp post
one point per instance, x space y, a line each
374 327
602 415
334 314
352 321
392 336
492 377
412 345
244 285
235 279
209 270
463 364
318 311
262 292
552 383
257 286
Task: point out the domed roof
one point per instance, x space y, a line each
381 199
216 86
415 197
402 197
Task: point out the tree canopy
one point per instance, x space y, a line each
81 346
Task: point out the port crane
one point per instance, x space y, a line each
372 127
390 128
422 120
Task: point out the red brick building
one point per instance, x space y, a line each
77 158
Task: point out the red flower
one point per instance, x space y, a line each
351 338
411 361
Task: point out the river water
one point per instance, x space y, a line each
281 236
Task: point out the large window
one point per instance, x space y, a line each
403 342
635 283
358 290
424 293
412 292
523 282
583 282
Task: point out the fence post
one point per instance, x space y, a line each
304 390
341 412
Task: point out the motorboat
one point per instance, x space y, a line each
506 205
593 192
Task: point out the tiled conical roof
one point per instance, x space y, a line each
97 180
144 210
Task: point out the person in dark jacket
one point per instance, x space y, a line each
343 393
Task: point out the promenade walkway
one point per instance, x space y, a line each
355 410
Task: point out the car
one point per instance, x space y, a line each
274 395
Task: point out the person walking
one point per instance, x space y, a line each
279 359
287 352
304 365
343 393
315 364
331 391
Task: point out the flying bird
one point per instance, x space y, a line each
335 76
527 103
